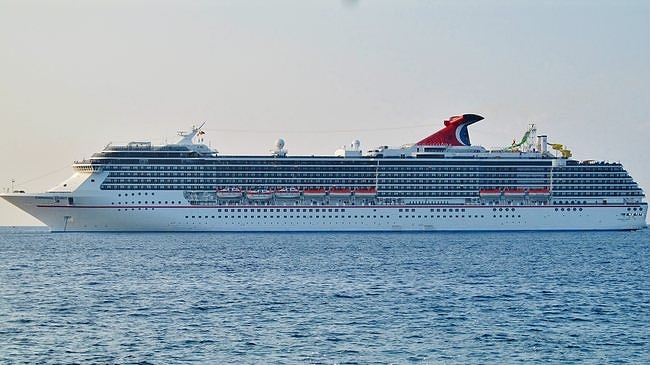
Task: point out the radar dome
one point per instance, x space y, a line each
279 143
356 144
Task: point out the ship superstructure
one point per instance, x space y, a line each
441 183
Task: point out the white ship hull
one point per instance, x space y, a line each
99 214
441 183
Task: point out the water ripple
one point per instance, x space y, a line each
324 298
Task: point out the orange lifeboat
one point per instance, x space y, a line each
490 193
314 193
340 193
259 194
285 193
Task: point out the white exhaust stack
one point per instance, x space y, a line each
542 144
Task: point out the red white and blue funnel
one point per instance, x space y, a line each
454 133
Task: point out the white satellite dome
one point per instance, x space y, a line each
356 145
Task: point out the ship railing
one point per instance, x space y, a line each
86 167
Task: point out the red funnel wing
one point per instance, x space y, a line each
454 133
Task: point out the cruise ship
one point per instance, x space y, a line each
441 183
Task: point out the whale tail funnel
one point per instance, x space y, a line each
454 133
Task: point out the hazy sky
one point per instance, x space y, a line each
75 75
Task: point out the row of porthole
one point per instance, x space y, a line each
502 209
282 210
318 216
146 202
568 209
133 194
444 210
274 216
451 216
441 216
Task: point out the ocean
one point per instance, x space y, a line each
324 298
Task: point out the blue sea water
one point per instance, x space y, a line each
339 298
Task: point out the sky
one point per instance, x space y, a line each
77 75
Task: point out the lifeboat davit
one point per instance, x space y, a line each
340 193
514 193
290 193
229 193
259 194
